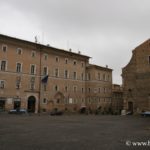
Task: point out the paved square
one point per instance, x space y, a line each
72 132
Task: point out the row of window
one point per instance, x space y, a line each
19 51
82 100
56 87
45 70
100 77
19 69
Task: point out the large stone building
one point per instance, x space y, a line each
117 99
98 87
40 78
136 80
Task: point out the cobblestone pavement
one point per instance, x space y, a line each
73 132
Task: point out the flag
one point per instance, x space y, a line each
45 79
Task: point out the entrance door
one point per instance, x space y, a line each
31 104
130 106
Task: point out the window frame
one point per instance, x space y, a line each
4 45
20 67
45 73
19 51
2 84
5 66
31 69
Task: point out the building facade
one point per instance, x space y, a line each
40 78
136 79
98 87
117 99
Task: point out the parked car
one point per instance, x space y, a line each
129 113
145 114
18 111
56 112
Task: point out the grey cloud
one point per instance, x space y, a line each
107 30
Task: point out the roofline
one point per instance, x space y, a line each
46 46
148 40
99 67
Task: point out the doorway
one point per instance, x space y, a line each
31 104
130 106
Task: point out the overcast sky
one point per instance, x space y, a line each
106 30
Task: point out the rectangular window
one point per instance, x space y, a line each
33 53
99 99
82 90
18 67
108 77
56 88
66 89
104 90
74 101
44 101
82 64
32 69
66 60
99 90
66 74
56 72
18 82
2 84
74 75
19 51
45 56
103 77
4 48
82 76
3 65
18 85
74 62
45 70
32 79
88 76
99 76
75 88
57 59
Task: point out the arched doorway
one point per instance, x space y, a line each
31 104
